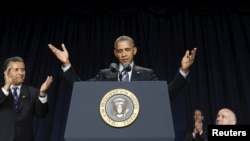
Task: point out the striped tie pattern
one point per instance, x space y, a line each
125 77
15 96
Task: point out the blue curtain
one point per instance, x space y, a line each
218 78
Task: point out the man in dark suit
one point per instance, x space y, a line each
16 117
125 50
198 131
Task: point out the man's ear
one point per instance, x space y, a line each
135 50
115 53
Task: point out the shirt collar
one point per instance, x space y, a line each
19 86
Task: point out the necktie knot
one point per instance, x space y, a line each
14 88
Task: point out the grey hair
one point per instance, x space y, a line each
11 59
124 38
234 117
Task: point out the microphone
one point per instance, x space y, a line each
114 67
126 67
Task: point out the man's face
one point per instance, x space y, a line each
198 116
125 52
16 71
224 117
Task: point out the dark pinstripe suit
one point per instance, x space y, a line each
18 123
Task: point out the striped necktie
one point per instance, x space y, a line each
125 77
15 96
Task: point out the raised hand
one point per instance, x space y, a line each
45 86
7 79
62 55
198 126
188 59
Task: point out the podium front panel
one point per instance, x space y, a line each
153 123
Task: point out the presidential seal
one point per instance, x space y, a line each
119 108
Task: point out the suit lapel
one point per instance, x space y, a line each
136 74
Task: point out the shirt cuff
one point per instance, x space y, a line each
43 99
183 73
5 92
66 68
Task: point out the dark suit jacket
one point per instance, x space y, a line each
138 74
201 137
18 123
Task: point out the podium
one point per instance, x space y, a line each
152 121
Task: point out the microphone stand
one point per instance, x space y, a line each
120 75
114 68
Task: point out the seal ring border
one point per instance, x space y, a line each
130 119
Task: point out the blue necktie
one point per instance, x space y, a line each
125 77
15 96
